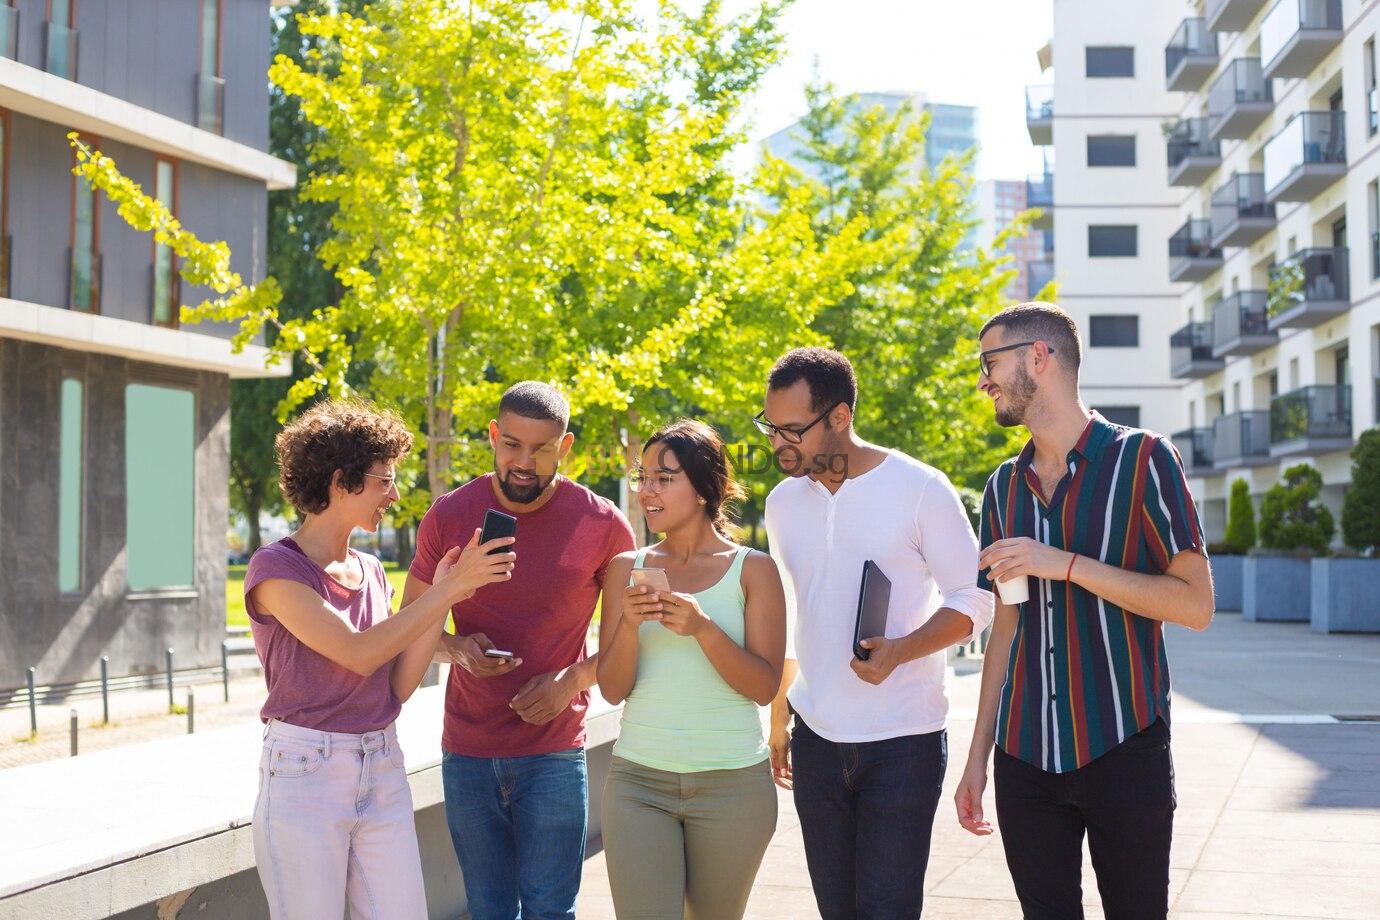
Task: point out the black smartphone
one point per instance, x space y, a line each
497 524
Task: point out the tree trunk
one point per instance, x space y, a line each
256 537
402 544
633 454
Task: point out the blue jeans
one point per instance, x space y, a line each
518 826
866 811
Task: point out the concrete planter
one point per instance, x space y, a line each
1276 589
1226 580
1346 595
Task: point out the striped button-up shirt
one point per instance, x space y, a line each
1083 674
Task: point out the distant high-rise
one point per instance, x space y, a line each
998 203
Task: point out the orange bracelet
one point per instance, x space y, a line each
1068 576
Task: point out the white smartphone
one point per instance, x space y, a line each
652 578
498 653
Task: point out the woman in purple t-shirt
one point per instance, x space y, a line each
334 814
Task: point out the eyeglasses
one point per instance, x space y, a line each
984 357
639 480
387 480
789 435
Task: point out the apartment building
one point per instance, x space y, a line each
1273 157
114 421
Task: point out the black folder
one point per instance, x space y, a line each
873 597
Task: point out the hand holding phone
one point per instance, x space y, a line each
497 524
642 598
499 654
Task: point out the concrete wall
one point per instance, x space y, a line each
63 636
147 51
212 204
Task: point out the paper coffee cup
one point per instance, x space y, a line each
1014 591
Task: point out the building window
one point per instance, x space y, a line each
84 280
4 203
210 89
1111 61
71 450
1120 415
1373 206
160 467
1114 332
1111 150
60 39
1372 120
165 295
1111 240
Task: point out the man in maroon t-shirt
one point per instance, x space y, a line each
513 767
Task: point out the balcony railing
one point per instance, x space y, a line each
1239 100
9 32
1190 55
1306 156
60 50
1310 286
1192 257
1240 213
1037 275
1231 15
1039 114
1241 439
210 103
1297 34
1192 154
84 281
1190 352
1195 449
1241 324
1310 419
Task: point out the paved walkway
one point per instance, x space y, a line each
1279 803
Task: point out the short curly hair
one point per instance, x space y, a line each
349 435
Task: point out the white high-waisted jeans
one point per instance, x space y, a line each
334 819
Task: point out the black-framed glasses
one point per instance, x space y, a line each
789 435
985 356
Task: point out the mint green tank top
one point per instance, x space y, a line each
682 716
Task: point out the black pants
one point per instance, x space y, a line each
1124 800
866 811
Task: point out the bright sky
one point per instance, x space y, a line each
964 52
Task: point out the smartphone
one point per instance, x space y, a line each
653 578
498 653
497 524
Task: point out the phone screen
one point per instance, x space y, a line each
497 524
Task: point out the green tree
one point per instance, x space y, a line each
1291 517
1240 534
917 298
1361 507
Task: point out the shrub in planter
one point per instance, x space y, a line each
1226 557
1291 517
1346 589
1294 526
1240 535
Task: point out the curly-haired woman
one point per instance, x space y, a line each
689 806
334 814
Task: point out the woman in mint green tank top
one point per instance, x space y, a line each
689 805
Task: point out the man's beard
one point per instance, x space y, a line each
1017 395
522 495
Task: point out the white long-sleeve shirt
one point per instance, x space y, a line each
906 517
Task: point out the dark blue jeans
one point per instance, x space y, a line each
866 811
518 826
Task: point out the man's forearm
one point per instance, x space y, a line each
585 673
780 706
994 662
1167 598
947 627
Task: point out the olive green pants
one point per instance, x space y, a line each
685 844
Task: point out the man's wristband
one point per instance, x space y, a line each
1068 576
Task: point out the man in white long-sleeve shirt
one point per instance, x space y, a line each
867 754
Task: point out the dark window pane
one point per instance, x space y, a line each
1114 331
1111 61
1112 150
1120 415
1106 240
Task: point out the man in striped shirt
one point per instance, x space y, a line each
1098 520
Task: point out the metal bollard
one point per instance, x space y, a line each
172 705
225 668
191 710
73 724
33 705
105 690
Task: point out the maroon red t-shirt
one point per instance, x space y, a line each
542 614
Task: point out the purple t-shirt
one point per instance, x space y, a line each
306 688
